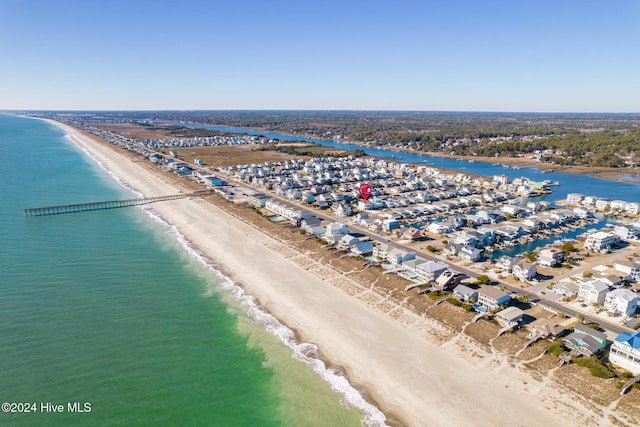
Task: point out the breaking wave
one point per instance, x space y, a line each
305 352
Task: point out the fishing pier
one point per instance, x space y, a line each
111 204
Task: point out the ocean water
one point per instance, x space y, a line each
114 309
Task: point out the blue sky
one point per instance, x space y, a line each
511 55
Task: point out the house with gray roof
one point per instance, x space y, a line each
585 340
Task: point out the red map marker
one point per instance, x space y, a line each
364 190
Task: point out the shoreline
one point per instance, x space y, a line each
406 371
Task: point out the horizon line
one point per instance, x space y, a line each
322 110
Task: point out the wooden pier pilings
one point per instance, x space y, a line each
111 204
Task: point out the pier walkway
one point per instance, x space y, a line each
111 204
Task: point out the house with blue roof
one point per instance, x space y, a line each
625 352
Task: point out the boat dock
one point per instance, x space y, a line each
111 204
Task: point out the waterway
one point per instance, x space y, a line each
569 183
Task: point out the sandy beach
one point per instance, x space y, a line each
413 379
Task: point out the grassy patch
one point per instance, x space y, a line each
436 295
556 347
595 366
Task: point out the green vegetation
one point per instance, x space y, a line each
431 248
483 279
609 140
556 347
436 295
309 149
567 248
524 298
595 366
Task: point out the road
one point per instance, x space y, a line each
513 290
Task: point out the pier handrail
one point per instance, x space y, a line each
109 204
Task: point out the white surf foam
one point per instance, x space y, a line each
302 351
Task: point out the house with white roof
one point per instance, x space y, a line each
600 241
550 257
566 288
593 291
524 272
575 198
632 208
510 316
336 230
630 268
625 352
491 297
624 232
430 270
507 263
469 253
397 256
602 204
347 241
621 301
438 228
465 293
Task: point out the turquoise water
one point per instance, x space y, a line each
109 308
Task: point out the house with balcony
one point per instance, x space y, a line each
465 293
524 271
491 297
600 241
566 288
585 340
625 352
507 263
510 316
469 253
626 232
550 257
621 302
431 270
630 268
593 291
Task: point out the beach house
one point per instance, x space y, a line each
593 291
630 268
585 340
546 327
470 253
524 271
507 263
510 316
600 241
465 293
447 280
625 352
397 256
550 257
336 230
566 288
430 270
621 302
491 297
